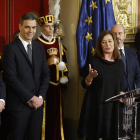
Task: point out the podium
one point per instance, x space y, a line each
129 99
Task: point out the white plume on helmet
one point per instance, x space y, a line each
54 8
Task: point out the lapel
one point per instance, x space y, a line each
127 60
23 50
34 53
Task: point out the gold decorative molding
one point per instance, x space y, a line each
129 41
125 14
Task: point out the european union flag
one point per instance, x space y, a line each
95 16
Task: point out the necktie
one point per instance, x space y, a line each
123 59
29 51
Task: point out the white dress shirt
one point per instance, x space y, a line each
24 43
122 50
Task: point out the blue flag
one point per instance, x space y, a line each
95 17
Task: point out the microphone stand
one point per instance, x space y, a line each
136 107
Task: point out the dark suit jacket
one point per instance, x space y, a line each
132 70
137 45
137 40
2 92
24 80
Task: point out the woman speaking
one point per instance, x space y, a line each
103 79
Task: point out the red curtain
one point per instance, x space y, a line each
10 13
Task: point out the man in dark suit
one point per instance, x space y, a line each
2 96
27 75
131 66
132 70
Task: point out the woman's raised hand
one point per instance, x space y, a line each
92 73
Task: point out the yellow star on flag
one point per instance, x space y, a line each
93 5
107 1
89 20
89 36
93 51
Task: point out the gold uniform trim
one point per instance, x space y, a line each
64 49
45 42
52 51
46 19
66 67
65 76
57 73
61 119
53 83
1 73
43 122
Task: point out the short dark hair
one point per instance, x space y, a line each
99 51
16 34
27 16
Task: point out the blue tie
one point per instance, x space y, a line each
123 59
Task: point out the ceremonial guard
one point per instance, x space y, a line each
56 59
